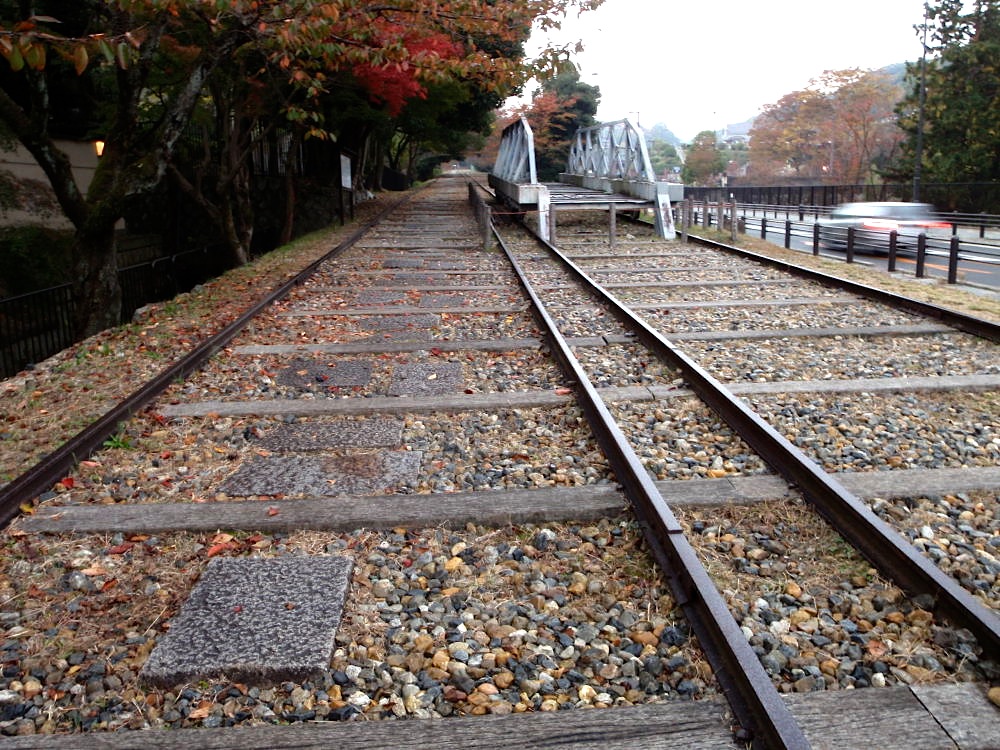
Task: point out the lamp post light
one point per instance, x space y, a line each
918 146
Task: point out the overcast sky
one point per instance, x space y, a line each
700 65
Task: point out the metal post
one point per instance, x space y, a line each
893 240
788 234
733 223
685 218
546 216
921 254
918 148
815 238
953 260
850 244
763 227
718 213
611 225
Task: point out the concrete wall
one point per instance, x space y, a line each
40 204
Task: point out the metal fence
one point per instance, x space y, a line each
36 325
972 242
964 197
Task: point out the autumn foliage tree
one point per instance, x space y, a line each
704 162
562 105
841 128
234 64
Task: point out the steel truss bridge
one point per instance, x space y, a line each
608 169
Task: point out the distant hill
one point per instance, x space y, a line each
660 132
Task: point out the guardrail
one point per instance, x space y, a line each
954 246
982 223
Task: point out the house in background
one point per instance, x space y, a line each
25 194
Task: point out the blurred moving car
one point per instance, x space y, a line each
873 222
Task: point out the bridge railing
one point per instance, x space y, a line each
516 160
613 150
613 157
514 172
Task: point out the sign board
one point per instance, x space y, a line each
345 172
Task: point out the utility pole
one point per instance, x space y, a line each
918 149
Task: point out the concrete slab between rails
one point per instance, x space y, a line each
691 725
918 329
383 347
360 312
344 513
497 507
858 385
255 621
929 717
414 272
414 288
777 302
378 404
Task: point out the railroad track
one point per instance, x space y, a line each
403 427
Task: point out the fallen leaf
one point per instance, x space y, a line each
563 391
94 570
272 511
121 549
217 549
202 711
222 538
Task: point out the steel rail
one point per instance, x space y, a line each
882 545
52 467
752 696
970 324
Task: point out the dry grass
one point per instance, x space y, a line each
43 407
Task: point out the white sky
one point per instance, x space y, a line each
700 65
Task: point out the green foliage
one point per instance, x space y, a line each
961 139
24 267
564 105
664 157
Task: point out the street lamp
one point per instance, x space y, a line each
918 147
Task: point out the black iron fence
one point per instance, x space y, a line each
35 326
964 197
970 247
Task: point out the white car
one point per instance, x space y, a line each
873 222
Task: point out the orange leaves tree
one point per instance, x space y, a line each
240 66
562 105
841 128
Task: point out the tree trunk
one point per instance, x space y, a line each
288 223
237 238
97 294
